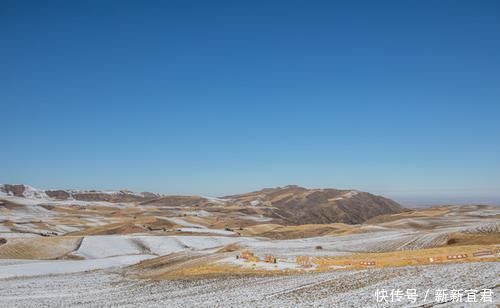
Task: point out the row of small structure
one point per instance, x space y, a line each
307 261
483 253
250 256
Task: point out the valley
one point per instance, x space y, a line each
146 249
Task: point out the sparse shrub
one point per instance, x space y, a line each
318 247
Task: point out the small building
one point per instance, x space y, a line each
483 253
246 254
270 259
454 257
304 261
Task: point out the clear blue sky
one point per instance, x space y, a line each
215 97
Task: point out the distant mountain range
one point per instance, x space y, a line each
26 191
291 205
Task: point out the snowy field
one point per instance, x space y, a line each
106 288
45 264
94 247
42 268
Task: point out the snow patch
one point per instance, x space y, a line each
66 267
215 200
255 202
182 222
103 246
213 231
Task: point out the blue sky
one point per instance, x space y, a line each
400 98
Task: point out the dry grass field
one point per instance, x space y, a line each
39 248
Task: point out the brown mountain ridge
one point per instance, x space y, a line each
299 205
289 205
